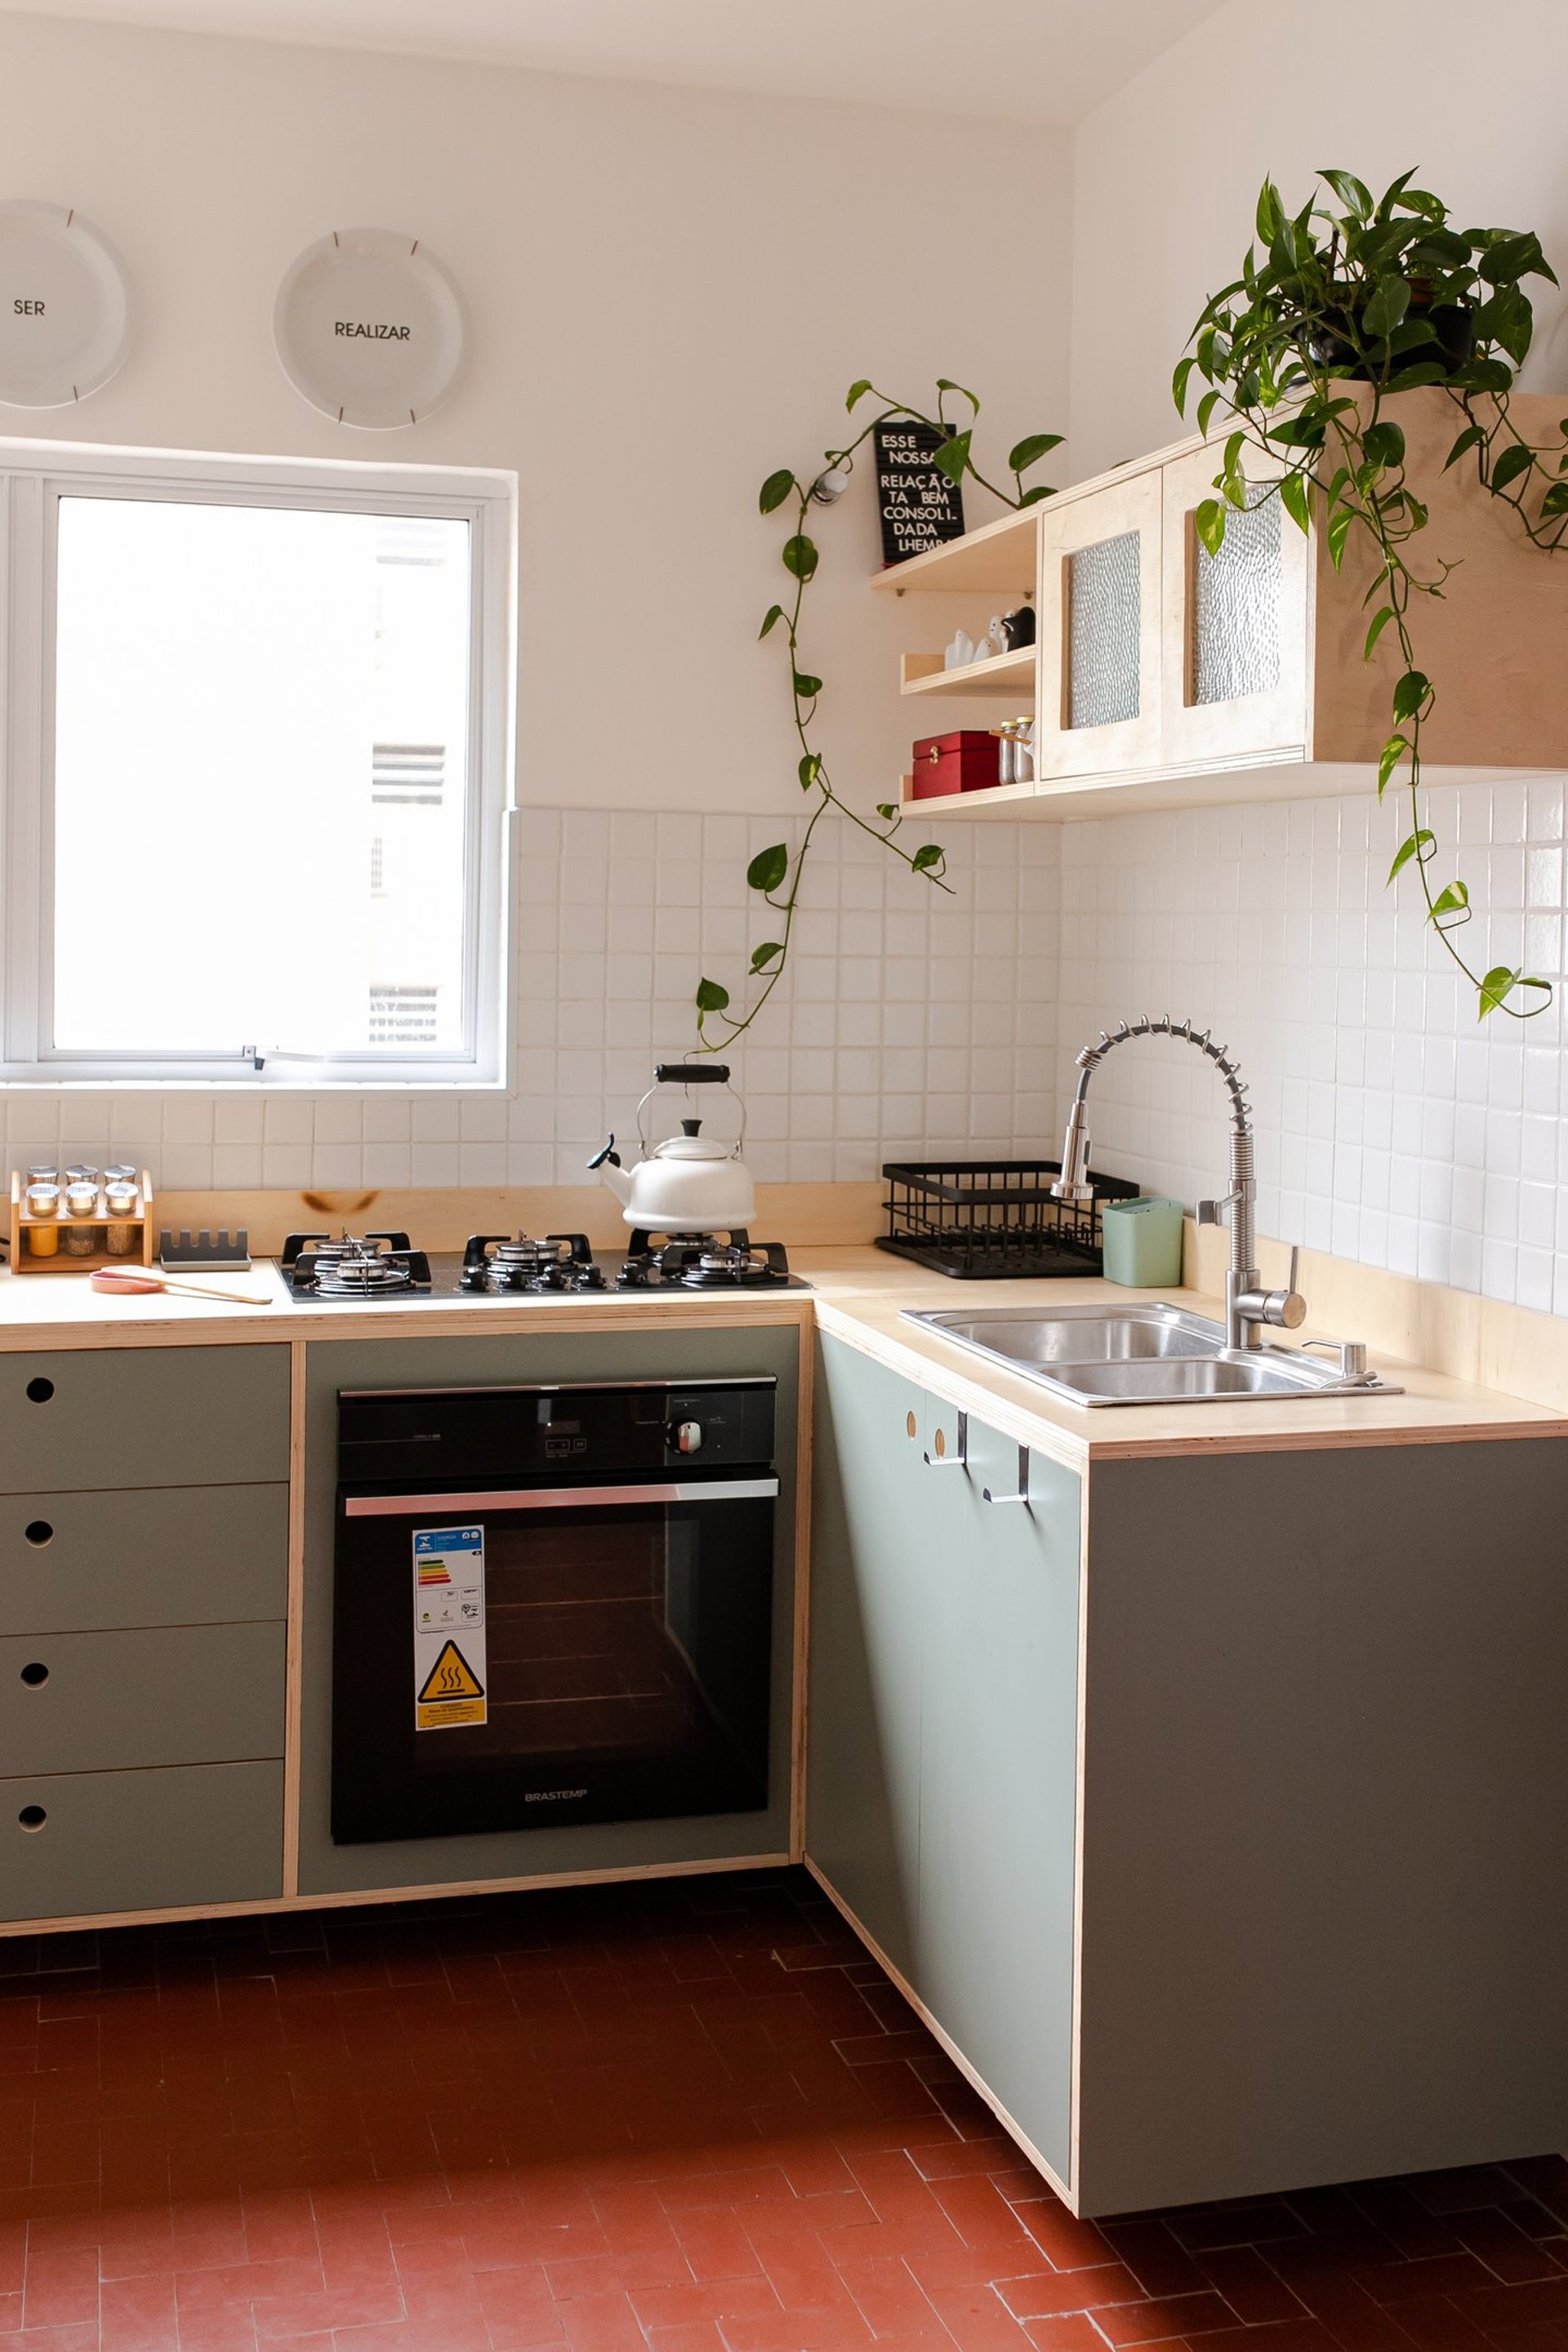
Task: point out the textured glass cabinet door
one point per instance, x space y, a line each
1100 575
1235 626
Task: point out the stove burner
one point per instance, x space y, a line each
703 1262
498 1263
354 1265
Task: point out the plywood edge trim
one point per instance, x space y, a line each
968 1392
342 1899
977 2083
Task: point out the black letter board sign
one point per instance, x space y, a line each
919 507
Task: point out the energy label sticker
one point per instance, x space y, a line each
450 1664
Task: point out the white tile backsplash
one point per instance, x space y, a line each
1391 1127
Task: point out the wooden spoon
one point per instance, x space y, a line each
116 1280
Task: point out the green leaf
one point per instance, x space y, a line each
810 770
925 859
1417 845
800 556
710 997
953 457
775 490
1555 503
1389 301
1383 445
768 868
1380 622
1388 759
1353 193
1414 689
946 383
1470 438
775 613
1340 523
858 391
1454 900
1032 498
806 688
1030 450
1515 460
1205 409
1270 213
1179 381
888 809
1208 522
1499 984
1296 498
769 952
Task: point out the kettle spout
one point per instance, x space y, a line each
608 1162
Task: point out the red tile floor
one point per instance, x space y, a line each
687 2116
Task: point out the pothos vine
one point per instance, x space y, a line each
777 873
1334 313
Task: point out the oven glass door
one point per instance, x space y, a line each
608 1656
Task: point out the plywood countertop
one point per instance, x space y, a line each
858 1294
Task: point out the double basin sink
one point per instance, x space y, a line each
1139 1354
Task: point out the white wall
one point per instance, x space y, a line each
1166 172
668 293
1392 1127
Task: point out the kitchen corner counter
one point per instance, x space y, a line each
856 1292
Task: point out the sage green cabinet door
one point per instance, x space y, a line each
98 1841
103 1417
143 1556
868 1573
993 1944
106 1701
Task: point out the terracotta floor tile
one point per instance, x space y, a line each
681 2118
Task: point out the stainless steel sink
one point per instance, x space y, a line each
1138 1354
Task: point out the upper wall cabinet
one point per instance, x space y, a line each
1169 678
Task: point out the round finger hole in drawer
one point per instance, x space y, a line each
40 1532
34 1675
31 1817
40 1390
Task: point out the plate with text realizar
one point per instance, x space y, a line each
65 315
368 328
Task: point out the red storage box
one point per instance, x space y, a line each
965 762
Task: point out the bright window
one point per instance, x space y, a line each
257 828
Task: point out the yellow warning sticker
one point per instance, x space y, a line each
451 1692
448 1611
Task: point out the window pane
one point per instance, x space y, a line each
260 780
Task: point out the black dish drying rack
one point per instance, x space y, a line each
994 1220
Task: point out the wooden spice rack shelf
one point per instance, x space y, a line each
26 1259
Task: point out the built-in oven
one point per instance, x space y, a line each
550 1604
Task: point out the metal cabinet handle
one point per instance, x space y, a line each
1023 1494
959 1461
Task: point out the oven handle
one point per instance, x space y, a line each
557 1498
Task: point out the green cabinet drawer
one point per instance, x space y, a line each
102 1417
143 1556
106 1701
93 1841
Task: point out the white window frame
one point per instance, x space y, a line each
34 477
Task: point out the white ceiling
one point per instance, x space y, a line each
1025 60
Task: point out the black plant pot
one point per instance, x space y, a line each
1453 323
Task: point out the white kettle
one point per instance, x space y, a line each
689 1182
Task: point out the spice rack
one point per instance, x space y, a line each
144 1233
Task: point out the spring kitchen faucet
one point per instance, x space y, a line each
1247 1307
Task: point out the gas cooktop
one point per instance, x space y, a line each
365 1269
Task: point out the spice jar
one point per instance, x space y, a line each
44 1206
120 1200
80 1173
81 1198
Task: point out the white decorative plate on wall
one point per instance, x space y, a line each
65 316
368 328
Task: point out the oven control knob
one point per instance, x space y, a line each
688 1437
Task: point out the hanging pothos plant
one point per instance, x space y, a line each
776 874
1381 297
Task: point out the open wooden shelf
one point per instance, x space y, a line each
1007 673
1000 558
